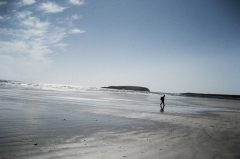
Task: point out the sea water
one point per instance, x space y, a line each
17 93
34 118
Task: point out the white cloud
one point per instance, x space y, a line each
75 17
22 15
50 7
35 23
28 40
28 2
76 31
33 38
77 2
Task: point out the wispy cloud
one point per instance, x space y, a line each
77 2
76 31
33 38
28 2
75 17
51 7
29 39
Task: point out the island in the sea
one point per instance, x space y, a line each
132 88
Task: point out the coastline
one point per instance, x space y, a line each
219 96
96 124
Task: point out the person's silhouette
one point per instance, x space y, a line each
162 104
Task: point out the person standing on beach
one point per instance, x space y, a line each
162 104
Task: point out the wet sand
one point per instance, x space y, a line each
44 124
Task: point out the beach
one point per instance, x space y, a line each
70 123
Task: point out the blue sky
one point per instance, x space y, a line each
166 45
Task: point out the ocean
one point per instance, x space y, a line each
38 118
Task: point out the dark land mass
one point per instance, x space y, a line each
220 96
132 88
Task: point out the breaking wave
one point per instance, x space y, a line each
44 86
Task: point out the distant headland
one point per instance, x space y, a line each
132 88
220 96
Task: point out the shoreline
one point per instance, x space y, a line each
44 124
218 96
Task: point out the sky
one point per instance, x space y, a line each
165 45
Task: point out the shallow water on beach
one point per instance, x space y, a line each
31 101
31 115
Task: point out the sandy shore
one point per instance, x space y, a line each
37 124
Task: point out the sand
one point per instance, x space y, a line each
47 124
